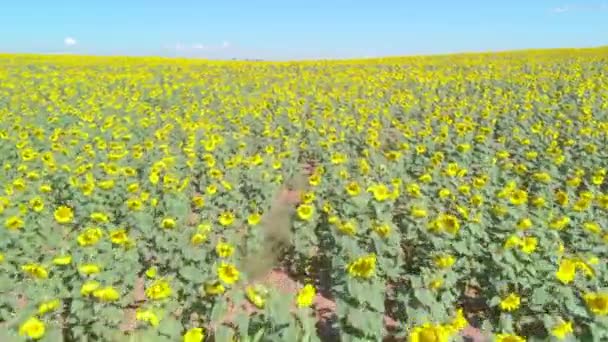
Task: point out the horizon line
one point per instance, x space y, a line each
253 59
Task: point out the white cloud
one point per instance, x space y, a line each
562 9
200 47
581 8
59 53
69 41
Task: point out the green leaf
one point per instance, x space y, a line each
486 326
307 321
540 296
361 202
112 314
224 333
602 321
278 307
178 207
219 310
79 332
170 327
575 308
356 318
356 289
375 299
599 333
438 311
150 334
192 274
494 301
506 322
416 281
144 223
510 258
8 335
258 335
461 247
5 283
242 323
425 296
418 316
289 333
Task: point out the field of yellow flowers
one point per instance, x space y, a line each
446 191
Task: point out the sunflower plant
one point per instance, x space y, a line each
137 197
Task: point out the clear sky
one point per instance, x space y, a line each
273 29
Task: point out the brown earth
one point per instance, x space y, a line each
324 308
277 279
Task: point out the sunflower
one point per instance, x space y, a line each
362 267
305 212
64 214
228 273
510 303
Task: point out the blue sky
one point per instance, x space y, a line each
297 29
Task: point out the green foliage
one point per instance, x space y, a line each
138 197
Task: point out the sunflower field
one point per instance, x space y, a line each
137 197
